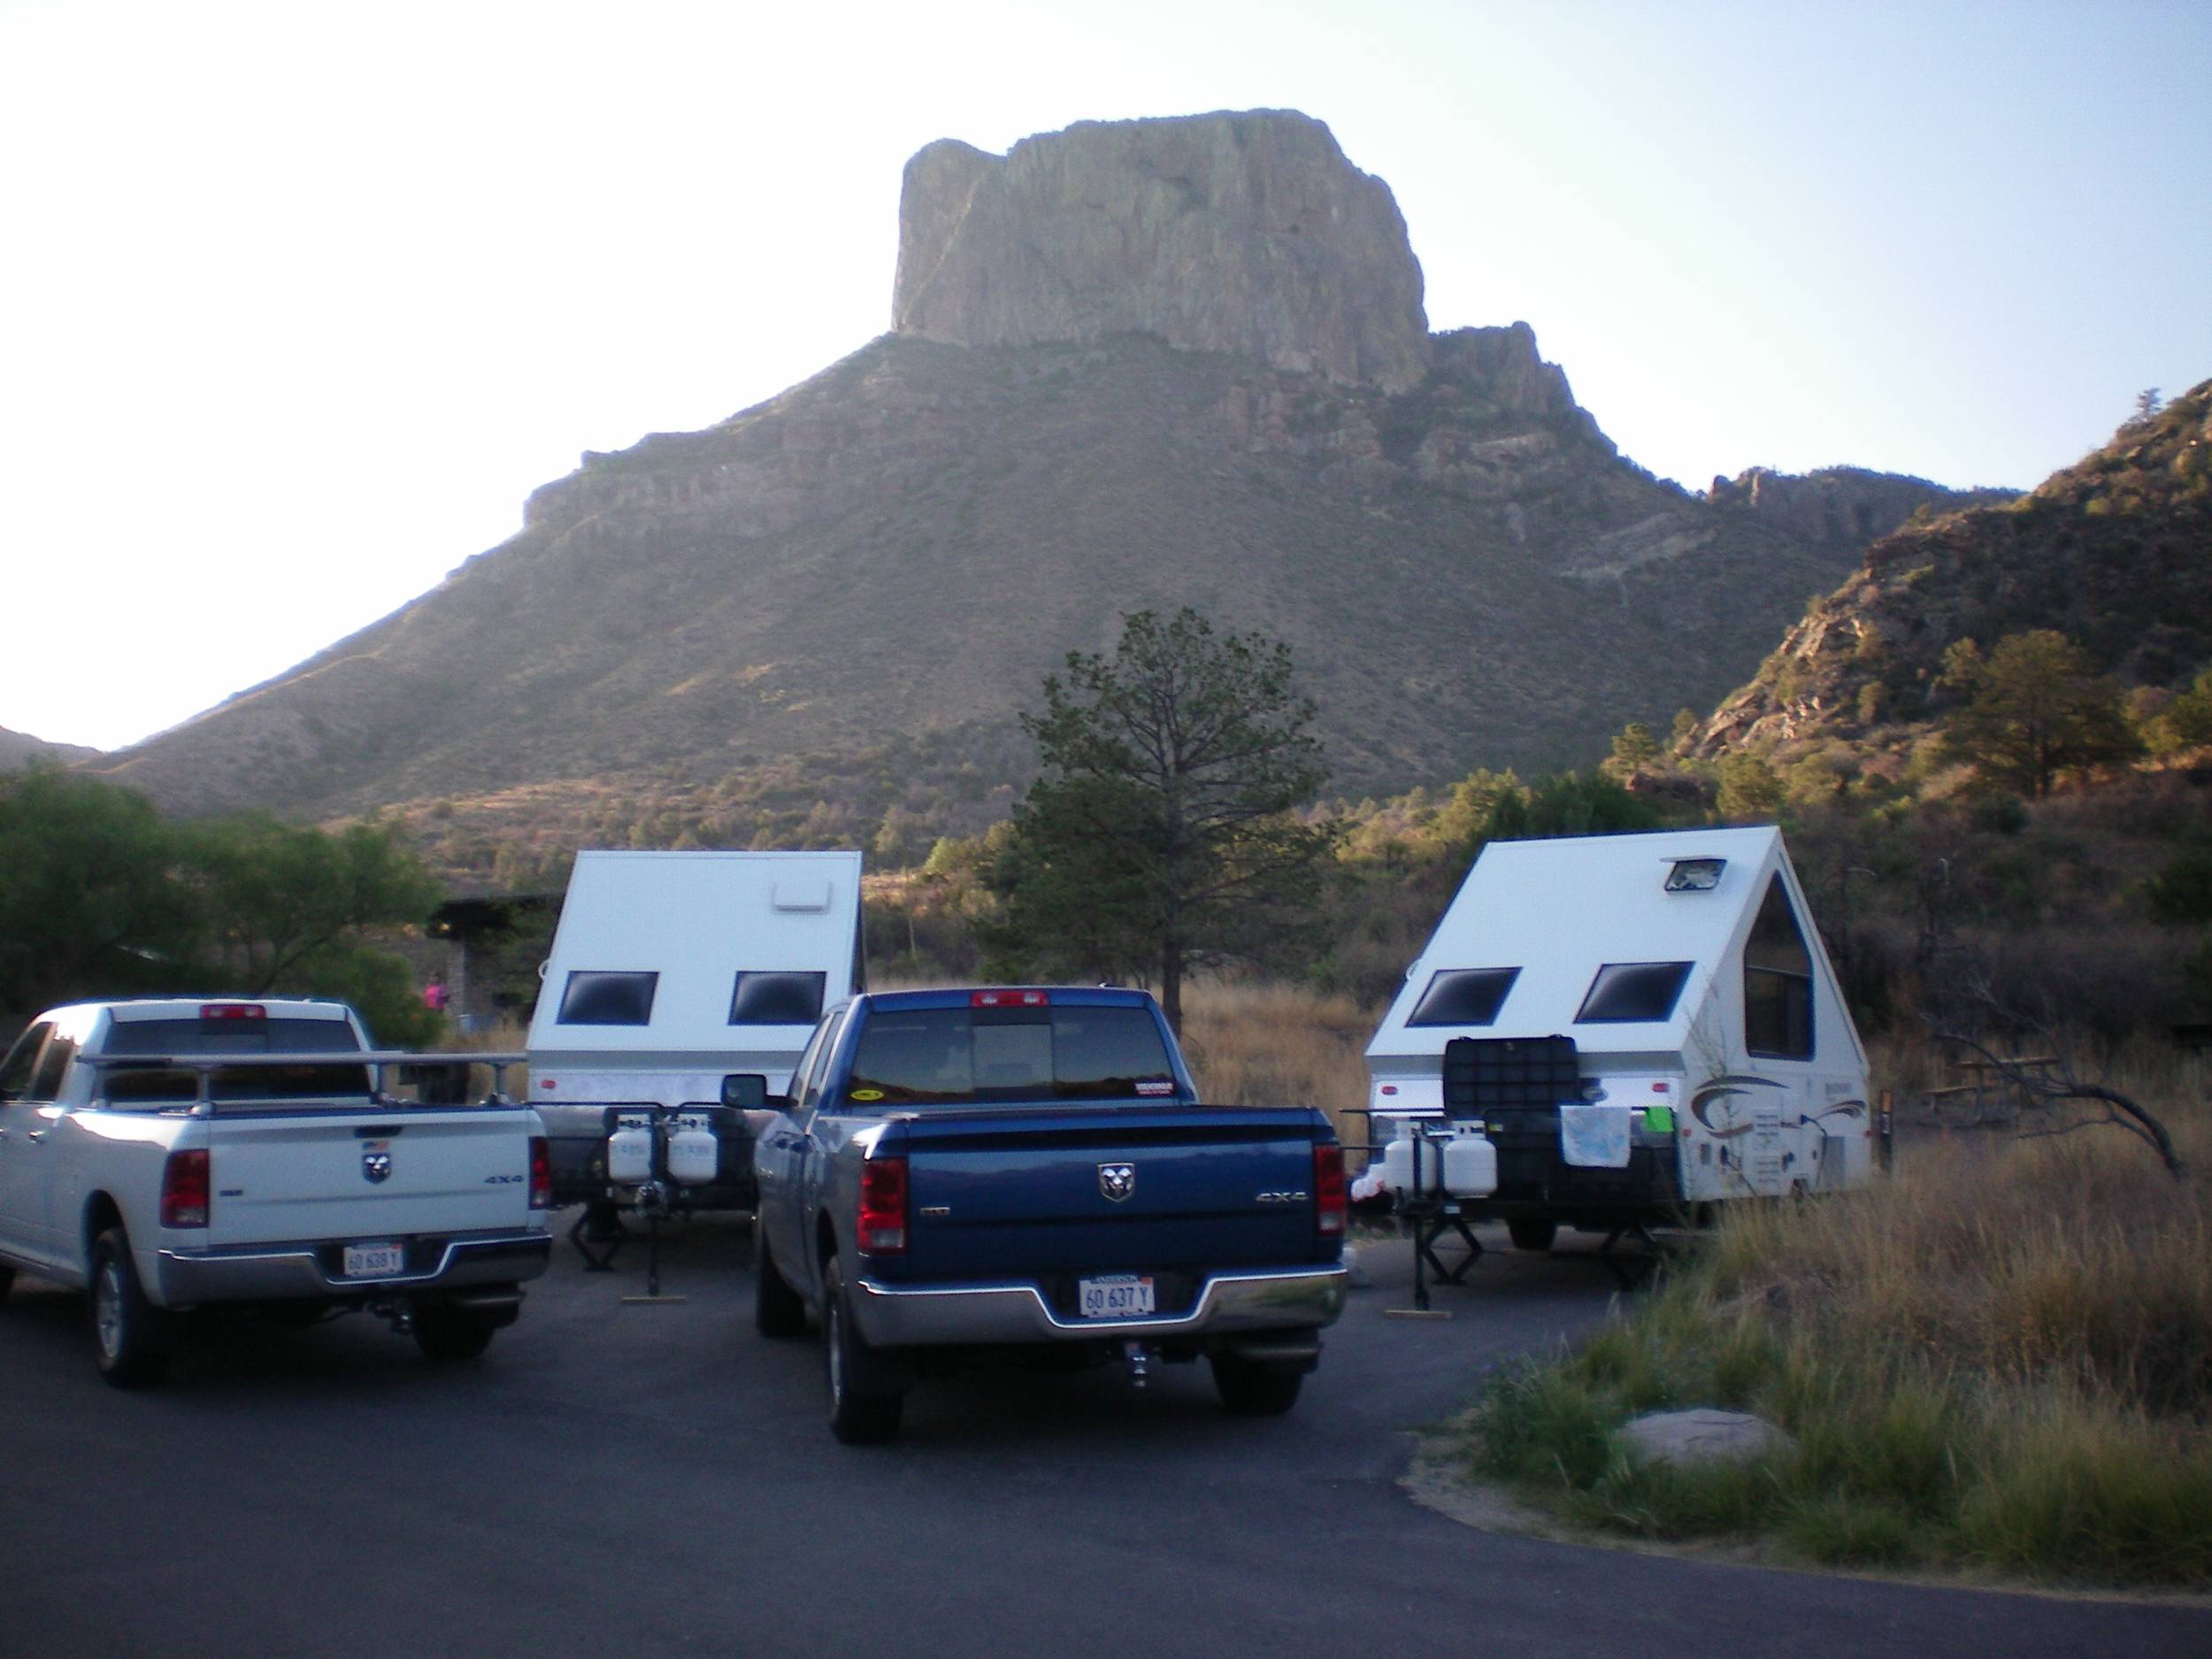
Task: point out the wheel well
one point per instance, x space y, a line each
100 1213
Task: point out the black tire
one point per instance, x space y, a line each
863 1411
131 1338
778 1310
1252 1388
451 1335
1533 1233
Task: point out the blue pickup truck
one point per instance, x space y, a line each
1028 1172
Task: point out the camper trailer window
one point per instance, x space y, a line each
777 999
609 999
1628 993
1464 996
1777 982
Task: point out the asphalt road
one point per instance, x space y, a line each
635 1481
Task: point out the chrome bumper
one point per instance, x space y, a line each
262 1272
899 1316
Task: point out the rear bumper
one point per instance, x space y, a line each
898 1316
267 1272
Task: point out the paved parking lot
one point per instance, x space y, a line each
640 1480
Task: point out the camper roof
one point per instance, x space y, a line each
1560 910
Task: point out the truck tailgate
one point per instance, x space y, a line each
277 1176
1067 1189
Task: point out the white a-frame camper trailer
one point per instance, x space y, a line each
1639 1026
672 972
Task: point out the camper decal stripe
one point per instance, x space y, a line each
1714 1091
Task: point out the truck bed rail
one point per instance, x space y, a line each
377 1062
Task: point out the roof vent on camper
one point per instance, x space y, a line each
1695 875
803 893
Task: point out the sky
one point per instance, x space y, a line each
299 301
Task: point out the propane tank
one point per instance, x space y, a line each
630 1155
693 1154
1398 1166
1470 1166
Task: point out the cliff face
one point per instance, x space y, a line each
1840 504
1240 233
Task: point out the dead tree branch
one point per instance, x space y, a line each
2055 1079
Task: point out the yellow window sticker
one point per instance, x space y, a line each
867 1094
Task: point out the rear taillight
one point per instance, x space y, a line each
1328 1189
184 1189
883 1206
541 1174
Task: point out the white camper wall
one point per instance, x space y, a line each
697 919
1559 910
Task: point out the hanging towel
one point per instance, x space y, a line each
1593 1137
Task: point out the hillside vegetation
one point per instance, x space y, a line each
2114 554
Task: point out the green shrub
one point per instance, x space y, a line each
1836 1529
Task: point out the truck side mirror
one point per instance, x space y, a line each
745 1089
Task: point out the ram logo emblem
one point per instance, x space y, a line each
1117 1180
376 1167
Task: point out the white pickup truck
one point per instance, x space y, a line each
176 1154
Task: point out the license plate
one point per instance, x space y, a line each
375 1261
1114 1296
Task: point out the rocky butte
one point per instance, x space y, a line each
1249 233
1134 364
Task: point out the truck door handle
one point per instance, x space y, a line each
35 1134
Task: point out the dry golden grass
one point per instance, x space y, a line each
2074 1263
1999 1356
1259 1044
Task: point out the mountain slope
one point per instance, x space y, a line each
20 748
2115 551
1140 364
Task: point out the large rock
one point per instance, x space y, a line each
1244 232
1702 1435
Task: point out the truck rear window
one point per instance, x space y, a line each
153 1038
950 1057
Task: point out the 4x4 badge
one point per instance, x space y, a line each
1117 1180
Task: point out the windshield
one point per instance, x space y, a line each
958 1055
158 1037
